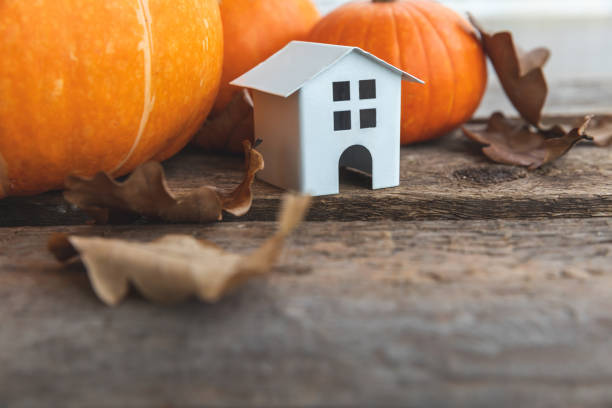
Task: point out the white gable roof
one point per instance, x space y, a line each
290 68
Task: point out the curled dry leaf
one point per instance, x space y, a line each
600 130
145 193
225 131
509 143
174 267
519 72
522 78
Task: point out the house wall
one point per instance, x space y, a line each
277 124
322 146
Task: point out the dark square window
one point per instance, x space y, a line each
342 91
342 120
367 89
367 118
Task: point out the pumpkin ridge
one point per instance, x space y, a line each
398 56
400 60
451 62
343 28
74 146
425 117
144 18
366 34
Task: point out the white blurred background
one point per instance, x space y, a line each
578 32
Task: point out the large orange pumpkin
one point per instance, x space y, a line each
425 39
252 31
87 86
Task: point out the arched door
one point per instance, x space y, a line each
356 157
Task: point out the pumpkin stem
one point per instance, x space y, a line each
383 1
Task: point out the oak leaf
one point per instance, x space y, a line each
511 143
145 193
599 130
225 131
519 72
174 267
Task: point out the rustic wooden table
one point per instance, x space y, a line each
472 284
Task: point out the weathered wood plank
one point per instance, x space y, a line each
444 179
480 313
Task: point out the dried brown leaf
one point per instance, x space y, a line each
519 72
600 129
175 267
145 193
510 143
225 131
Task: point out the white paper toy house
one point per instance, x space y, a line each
319 107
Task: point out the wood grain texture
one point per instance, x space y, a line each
445 179
393 313
473 284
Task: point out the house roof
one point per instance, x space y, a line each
290 68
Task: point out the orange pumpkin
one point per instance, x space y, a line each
252 31
87 86
255 29
427 40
